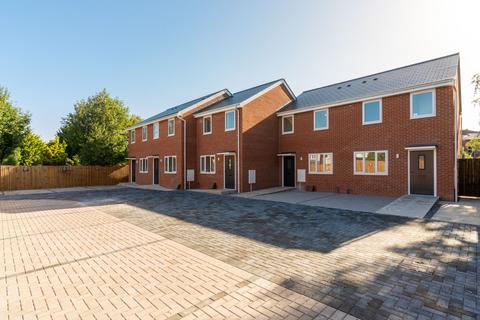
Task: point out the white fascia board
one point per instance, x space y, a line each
245 102
210 112
389 94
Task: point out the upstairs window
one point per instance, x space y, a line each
320 120
320 163
207 125
171 127
170 164
156 130
207 164
132 136
372 112
287 124
370 162
230 120
144 133
422 104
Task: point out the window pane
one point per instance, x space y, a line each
320 164
421 162
207 125
320 119
174 164
155 130
230 120
312 167
359 162
370 162
371 111
170 127
212 164
144 133
287 124
381 162
422 104
328 163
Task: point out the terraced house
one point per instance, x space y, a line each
390 133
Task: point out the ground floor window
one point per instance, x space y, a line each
370 162
320 163
170 164
143 165
207 164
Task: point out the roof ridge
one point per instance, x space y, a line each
377 73
274 81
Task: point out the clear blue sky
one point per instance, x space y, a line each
154 54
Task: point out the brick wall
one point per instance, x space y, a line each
346 134
259 141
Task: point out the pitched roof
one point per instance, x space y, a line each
387 82
239 97
176 109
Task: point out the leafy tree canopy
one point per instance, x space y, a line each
96 130
32 150
55 152
14 125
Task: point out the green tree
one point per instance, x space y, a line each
475 145
96 130
55 152
14 125
32 150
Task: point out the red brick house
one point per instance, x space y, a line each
237 135
160 147
391 133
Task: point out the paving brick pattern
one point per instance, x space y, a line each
236 258
64 260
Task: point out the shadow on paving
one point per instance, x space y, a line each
367 265
290 226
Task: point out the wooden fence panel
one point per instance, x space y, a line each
44 177
469 177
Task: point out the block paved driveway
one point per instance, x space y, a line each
142 254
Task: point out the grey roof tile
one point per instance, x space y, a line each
404 78
174 110
238 97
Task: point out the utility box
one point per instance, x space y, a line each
252 176
190 175
301 175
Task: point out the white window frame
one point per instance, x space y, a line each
171 120
144 130
293 124
314 119
156 134
234 120
434 104
166 168
205 159
380 112
324 154
132 136
143 168
376 173
211 124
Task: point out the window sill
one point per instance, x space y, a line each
412 117
370 174
371 122
321 173
174 172
207 172
290 132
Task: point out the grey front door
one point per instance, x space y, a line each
289 171
156 171
229 172
421 172
134 171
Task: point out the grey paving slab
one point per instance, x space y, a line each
464 211
414 206
350 263
330 200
